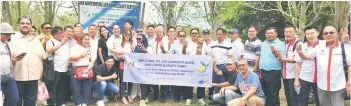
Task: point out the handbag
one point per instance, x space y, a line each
48 66
80 75
42 93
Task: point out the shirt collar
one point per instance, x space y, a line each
335 45
310 45
292 41
254 39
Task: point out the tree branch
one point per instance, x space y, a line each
181 9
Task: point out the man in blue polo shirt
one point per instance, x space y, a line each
249 84
271 67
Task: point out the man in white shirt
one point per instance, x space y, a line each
150 34
8 83
288 71
93 40
306 70
159 47
331 79
58 50
194 48
222 50
238 47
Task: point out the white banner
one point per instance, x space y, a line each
167 69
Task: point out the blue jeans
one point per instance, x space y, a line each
104 87
81 89
219 78
228 96
11 92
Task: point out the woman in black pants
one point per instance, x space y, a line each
128 45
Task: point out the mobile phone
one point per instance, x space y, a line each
22 54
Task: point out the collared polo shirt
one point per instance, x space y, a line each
252 48
238 48
308 70
206 47
268 61
288 71
222 51
330 71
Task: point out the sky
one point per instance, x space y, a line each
151 15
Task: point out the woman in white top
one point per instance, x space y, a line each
128 44
80 55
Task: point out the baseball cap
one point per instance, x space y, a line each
6 28
206 31
234 31
229 61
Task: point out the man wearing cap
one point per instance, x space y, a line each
29 70
205 48
230 74
238 47
8 84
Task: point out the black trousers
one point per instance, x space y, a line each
145 90
290 93
164 91
67 92
56 89
124 86
271 84
27 91
177 92
305 92
188 92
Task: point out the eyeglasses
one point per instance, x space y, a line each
331 33
182 36
139 31
127 35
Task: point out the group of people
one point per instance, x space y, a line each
247 73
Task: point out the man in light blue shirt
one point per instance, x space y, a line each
271 67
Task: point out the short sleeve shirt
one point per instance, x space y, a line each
251 80
101 70
61 57
222 51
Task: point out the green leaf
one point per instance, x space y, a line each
202 63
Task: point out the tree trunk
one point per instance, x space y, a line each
48 8
19 8
6 11
302 19
341 15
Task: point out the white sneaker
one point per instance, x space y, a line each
63 105
105 98
100 103
84 104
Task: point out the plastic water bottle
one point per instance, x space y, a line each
297 89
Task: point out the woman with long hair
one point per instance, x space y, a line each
81 57
128 45
102 47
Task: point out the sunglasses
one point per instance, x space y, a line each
139 31
47 28
127 35
139 38
194 33
327 33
